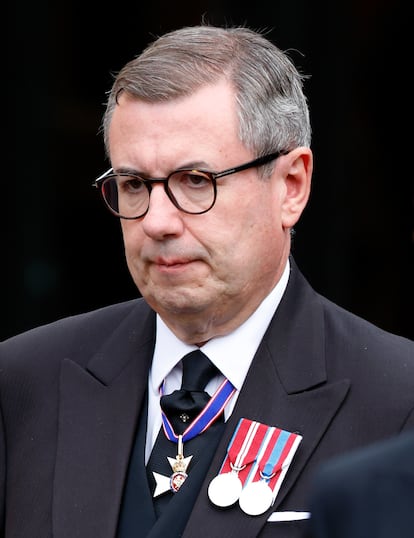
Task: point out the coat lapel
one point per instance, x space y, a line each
286 387
99 407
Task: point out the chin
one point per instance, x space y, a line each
178 303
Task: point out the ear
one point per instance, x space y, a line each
297 172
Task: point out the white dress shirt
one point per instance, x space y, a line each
231 354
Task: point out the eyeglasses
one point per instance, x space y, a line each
193 191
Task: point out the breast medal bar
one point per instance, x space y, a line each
257 460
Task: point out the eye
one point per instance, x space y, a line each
192 179
130 184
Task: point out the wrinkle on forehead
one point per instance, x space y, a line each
155 138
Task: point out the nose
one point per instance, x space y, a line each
162 218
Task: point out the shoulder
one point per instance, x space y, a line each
338 327
379 364
361 335
69 334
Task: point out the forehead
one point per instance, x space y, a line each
204 121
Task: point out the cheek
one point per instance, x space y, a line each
246 240
132 239
263 235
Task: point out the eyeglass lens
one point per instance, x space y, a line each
189 190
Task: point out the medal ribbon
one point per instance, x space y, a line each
272 464
268 448
203 420
244 446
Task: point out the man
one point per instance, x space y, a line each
368 493
208 137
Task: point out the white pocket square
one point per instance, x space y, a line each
288 516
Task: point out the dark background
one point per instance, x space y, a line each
62 251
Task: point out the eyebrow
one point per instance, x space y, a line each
195 165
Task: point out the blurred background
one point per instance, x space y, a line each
62 251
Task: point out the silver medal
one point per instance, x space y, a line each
224 490
256 498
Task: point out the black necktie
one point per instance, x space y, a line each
181 407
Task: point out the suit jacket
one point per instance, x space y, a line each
71 394
368 493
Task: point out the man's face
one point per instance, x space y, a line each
204 274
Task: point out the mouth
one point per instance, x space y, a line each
172 264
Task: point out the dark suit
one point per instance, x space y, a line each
368 493
71 395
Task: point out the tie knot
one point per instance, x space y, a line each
198 370
184 405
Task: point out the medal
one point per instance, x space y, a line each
256 498
259 495
224 490
179 464
179 467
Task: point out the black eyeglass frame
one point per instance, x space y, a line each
213 176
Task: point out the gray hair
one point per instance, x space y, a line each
272 108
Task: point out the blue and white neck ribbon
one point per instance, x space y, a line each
205 418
